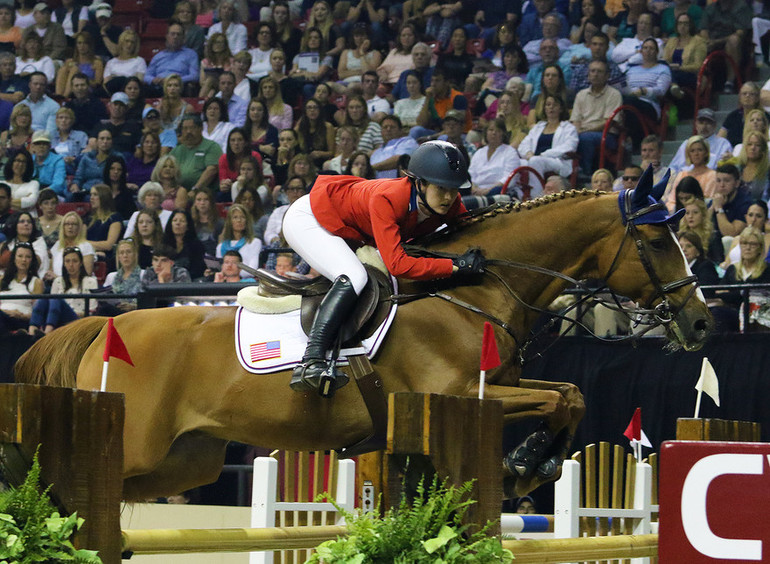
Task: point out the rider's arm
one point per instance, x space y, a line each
388 238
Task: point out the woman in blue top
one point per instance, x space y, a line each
90 170
67 142
238 235
103 224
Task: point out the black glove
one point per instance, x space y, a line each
470 262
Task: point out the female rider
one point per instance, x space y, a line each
383 212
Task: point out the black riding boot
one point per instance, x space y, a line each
335 306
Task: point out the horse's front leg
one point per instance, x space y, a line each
521 403
571 394
538 459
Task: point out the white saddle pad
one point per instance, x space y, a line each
268 343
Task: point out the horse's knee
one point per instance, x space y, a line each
559 409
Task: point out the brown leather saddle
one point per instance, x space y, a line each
370 311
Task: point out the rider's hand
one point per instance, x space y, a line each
470 262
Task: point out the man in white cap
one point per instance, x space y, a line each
151 124
50 170
705 125
51 33
103 32
125 134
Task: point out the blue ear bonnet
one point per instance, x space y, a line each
642 204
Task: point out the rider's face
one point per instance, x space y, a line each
440 199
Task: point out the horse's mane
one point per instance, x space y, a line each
480 215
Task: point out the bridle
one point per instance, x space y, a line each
663 312
648 316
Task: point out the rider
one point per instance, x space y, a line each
343 209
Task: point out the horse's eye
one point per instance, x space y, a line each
658 244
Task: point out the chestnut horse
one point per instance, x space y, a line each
188 395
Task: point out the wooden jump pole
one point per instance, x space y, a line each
582 549
171 541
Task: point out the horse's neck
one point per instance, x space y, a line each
564 236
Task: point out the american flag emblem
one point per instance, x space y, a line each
264 351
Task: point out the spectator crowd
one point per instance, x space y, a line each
165 145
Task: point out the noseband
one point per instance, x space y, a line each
650 316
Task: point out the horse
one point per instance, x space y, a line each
187 395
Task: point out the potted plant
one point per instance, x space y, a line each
430 529
31 530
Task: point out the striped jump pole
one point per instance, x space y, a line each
514 523
583 549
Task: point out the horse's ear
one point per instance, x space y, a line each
660 187
642 190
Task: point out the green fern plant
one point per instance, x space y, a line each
31 530
429 530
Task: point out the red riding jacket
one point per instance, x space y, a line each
380 212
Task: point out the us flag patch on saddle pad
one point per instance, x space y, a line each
264 351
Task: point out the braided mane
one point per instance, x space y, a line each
481 214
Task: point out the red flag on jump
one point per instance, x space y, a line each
115 345
489 357
634 430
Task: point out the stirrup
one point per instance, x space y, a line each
317 374
298 382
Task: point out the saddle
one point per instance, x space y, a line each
370 311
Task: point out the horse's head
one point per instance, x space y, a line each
650 266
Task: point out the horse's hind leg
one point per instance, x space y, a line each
175 473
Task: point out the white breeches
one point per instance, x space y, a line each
759 27
329 254
543 165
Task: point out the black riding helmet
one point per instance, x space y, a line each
441 163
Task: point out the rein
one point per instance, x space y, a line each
661 314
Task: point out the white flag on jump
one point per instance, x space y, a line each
708 381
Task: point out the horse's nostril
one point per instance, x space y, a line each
700 325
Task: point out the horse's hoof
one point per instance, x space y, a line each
524 460
548 468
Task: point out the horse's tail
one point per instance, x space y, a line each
54 359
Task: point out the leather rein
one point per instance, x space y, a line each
648 316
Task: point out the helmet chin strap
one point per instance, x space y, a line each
421 195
